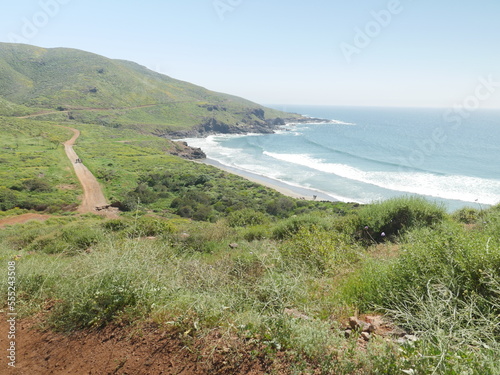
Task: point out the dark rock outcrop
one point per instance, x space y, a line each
213 107
186 152
213 126
259 113
252 121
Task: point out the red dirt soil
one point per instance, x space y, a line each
118 350
20 219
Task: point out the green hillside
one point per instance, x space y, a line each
89 88
199 261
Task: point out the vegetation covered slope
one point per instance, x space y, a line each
199 252
202 254
90 88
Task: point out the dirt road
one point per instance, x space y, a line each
92 193
86 109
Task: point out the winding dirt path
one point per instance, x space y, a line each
87 109
92 193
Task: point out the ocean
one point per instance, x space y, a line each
372 154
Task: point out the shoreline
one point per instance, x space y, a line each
291 191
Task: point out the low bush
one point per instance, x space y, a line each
395 216
257 233
51 243
461 260
116 225
246 217
71 239
319 250
287 228
81 238
151 226
490 222
281 207
95 304
467 215
9 199
443 321
36 185
206 237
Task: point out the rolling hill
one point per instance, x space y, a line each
71 85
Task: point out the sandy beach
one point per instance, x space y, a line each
281 187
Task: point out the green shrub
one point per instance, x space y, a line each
319 250
31 285
396 216
310 339
246 217
70 239
21 236
8 199
348 224
281 207
116 225
451 255
276 291
152 226
289 227
35 288
51 243
490 222
443 321
207 237
94 304
81 237
256 233
36 185
467 215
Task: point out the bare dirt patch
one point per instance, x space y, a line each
122 350
66 187
20 219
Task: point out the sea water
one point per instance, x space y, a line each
371 154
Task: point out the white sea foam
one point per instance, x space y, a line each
237 159
211 145
231 157
335 122
462 188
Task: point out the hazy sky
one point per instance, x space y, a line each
424 53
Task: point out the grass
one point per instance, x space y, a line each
34 170
168 259
443 287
